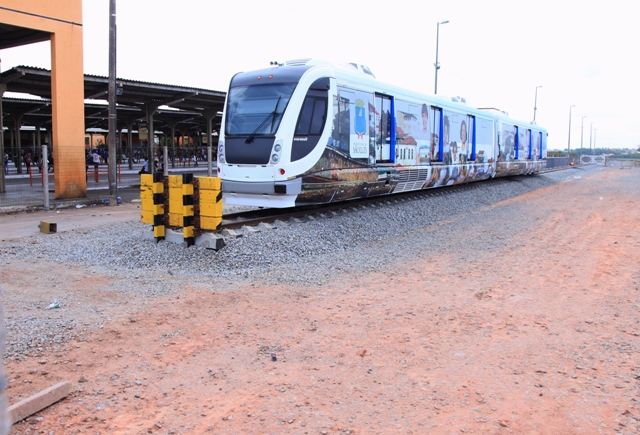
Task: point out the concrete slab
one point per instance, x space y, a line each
38 402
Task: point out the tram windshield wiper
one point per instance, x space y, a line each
272 114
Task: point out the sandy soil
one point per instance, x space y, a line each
539 335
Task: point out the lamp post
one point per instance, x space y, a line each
535 103
591 137
569 140
437 64
581 136
595 130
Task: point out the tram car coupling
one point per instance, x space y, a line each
313 132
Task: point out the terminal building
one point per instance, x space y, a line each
67 110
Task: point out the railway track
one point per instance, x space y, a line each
252 218
238 220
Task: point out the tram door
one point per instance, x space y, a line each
383 129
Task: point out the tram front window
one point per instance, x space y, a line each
249 106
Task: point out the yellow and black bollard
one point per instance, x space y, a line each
195 204
146 198
152 197
209 199
187 210
175 200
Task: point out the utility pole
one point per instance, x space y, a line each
113 119
581 137
3 88
569 140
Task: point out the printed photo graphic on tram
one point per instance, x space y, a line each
312 132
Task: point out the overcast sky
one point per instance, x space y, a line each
493 53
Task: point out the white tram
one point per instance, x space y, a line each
312 132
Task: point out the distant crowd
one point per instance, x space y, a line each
26 160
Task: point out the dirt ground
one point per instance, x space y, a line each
539 336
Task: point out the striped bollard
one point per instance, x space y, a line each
209 203
152 198
188 210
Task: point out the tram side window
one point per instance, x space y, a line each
542 145
471 138
312 116
484 139
523 143
508 140
311 122
457 138
437 142
383 128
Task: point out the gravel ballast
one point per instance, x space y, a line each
362 239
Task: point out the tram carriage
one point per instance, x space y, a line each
312 132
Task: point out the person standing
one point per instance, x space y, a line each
145 167
27 162
96 159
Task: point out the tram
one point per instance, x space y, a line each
312 132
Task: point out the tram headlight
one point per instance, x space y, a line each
277 148
221 152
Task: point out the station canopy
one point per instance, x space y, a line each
182 109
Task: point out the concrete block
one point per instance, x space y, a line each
231 233
148 234
38 402
210 241
48 227
173 236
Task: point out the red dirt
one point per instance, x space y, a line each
540 337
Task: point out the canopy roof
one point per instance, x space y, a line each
183 108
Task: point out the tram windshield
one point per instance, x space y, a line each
256 110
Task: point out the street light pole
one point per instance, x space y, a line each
437 64
535 103
591 137
569 140
581 136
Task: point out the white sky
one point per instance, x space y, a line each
492 52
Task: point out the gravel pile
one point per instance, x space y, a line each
294 253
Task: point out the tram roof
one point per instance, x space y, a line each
184 107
